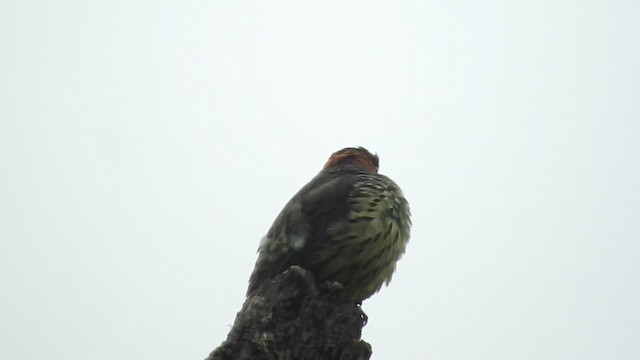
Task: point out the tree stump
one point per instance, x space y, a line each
292 318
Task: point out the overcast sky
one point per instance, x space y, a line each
146 147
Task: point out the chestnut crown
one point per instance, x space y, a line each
359 156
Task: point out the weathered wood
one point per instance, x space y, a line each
291 318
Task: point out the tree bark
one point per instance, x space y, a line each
291 318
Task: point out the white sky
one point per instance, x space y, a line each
147 146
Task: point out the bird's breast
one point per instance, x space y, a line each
361 250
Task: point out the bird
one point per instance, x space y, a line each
349 224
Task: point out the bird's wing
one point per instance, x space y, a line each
300 224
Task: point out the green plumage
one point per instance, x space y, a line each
348 224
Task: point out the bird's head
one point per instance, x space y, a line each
359 157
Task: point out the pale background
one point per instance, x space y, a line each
146 146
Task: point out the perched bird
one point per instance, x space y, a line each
348 224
